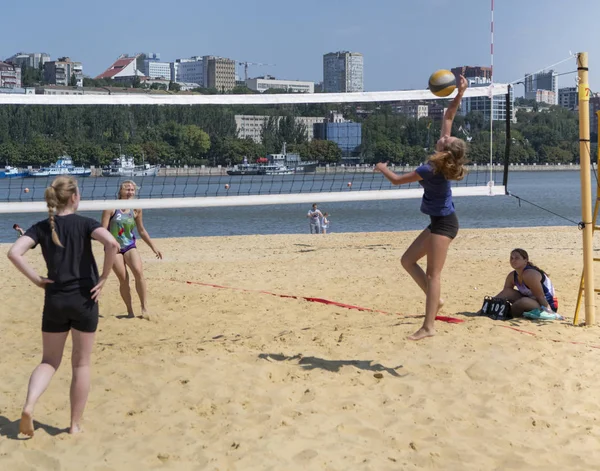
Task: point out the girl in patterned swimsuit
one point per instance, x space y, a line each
122 223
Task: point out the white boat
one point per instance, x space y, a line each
12 172
260 169
278 170
290 163
247 169
125 166
63 166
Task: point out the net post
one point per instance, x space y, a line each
586 193
597 157
508 140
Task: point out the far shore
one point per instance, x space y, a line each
184 171
169 171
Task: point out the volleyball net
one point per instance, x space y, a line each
193 150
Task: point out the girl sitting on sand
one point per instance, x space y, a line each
527 287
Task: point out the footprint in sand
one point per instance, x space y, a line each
308 396
306 455
41 460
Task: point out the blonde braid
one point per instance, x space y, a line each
57 197
52 202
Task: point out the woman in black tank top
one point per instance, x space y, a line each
72 287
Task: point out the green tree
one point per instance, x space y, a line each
195 140
555 155
158 86
206 91
10 153
31 76
231 150
242 90
324 151
275 91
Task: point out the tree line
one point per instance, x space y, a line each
207 135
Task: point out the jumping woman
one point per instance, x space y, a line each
435 177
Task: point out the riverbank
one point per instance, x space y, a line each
341 169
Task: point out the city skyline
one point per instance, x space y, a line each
400 42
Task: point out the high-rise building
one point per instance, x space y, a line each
251 126
542 81
568 97
188 70
29 59
343 72
219 73
411 109
346 134
481 77
63 71
483 103
10 76
155 69
473 72
542 96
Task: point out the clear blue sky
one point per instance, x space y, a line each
403 41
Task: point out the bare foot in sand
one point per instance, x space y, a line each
75 428
422 333
26 424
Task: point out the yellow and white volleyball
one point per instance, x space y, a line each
442 83
227 186
26 190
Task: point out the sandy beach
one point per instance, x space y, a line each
238 378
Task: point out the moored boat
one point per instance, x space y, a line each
63 166
124 166
12 172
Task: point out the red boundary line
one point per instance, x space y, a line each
451 320
552 340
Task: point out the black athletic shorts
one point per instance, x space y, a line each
444 225
68 308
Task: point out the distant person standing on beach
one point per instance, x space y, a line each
325 223
19 229
314 217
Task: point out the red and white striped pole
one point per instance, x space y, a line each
492 93
492 43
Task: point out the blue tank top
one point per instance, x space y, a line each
437 197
